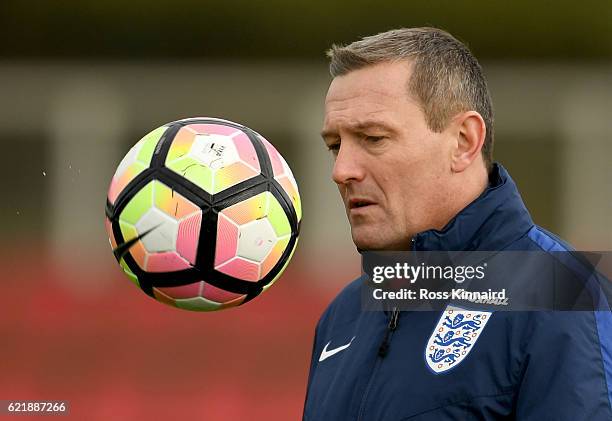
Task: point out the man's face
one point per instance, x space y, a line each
392 171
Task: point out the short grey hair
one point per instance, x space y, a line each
446 78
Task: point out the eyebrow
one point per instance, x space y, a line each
360 127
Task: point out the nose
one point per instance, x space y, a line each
348 164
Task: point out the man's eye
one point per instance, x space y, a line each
334 147
374 138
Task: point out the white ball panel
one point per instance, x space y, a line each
214 151
165 230
255 240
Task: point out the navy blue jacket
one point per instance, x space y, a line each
524 365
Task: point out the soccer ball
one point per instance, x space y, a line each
203 214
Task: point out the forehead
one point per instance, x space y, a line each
375 92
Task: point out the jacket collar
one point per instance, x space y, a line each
492 222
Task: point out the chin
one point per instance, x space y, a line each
363 242
376 240
372 243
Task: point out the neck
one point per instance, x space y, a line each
465 187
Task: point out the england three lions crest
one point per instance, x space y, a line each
454 337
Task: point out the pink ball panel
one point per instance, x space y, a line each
277 165
114 190
227 240
212 129
246 151
241 269
187 238
218 295
289 189
183 291
168 261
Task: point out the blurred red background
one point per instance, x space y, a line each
121 355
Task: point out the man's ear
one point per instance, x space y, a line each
470 130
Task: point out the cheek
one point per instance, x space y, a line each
440 153
397 191
411 190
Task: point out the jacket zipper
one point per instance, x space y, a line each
384 346
383 349
382 352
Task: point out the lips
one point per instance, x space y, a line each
358 202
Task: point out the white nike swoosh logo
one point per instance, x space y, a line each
325 354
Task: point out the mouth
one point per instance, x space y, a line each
359 203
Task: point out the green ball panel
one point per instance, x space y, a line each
149 142
278 218
194 171
138 205
128 230
129 273
197 304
